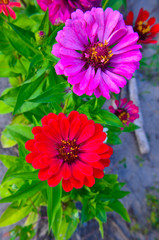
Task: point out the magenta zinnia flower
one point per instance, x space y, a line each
60 10
97 52
6 7
70 149
126 111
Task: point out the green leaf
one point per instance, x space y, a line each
115 5
10 96
101 214
25 175
24 34
26 91
26 191
9 161
119 208
132 127
14 214
55 94
19 45
4 108
54 206
44 26
68 225
51 38
20 133
101 227
106 117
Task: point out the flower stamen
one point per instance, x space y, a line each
4 2
68 150
97 55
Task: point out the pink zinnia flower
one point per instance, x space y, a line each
126 111
97 52
144 26
60 10
6 7
70 149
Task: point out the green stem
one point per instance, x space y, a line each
105 4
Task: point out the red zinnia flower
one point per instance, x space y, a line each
70 149
143 26
6 7
126 111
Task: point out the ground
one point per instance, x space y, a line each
139 172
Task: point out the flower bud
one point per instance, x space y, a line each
40 36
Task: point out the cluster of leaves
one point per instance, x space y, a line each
152 199
35 91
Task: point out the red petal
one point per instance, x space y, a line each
89 181
15 4
129 18
31 157
45 147
100 137
5 10
36 130
151 21
107 154
66 171
139 16
98 165
91 145
60 117
155 28
85 168
89 157
103 148
44 120
75 125
29 145
83 119
52 133
64 127
145 15
55 180
87 132
76 183
43 174
98 128
73 115
67 186
98 173
55 166
105 162
11 12
76 172
38 164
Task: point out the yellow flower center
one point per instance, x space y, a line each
4 2
68 150
97 55
143 27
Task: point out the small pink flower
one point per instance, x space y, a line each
126 111
6 7
60 10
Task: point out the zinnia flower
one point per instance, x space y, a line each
143 26
60 10
6 7
97 50
70 149
125 110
